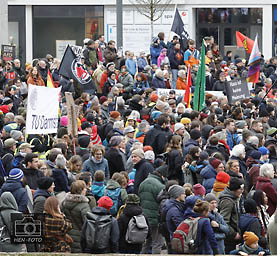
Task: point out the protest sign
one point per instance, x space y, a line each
165 92
71 115
42 110
215 93
237 90
7 52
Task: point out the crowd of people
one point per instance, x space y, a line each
143 165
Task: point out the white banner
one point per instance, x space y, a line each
165 92
42 110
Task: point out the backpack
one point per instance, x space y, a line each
4 232
162 227
98 231
184 238
137 230
115 195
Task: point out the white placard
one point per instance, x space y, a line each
61 46
215 93
42 110
165 92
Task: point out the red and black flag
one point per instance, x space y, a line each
72 68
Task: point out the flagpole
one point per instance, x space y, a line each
172 22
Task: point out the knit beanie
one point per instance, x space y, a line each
235 183
214 162
185 120
210 197
16 134
16 174
256 154
132 199
154 97
60 161
199 190
149 155
204 155
250 206
103 99
175 191
163 170
64 121
195 134
84 141
263 150
250 238
105 202
223 177
178 126
114 114
138 152
115 141
45 182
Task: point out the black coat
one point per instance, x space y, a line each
115 161
129 211
32 176
143 168
175 162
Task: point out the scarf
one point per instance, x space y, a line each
219 186
263 217
112 82
248 250
96 161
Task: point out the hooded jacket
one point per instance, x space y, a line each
209 175
248 222
97 189
92 165
40 196
60 179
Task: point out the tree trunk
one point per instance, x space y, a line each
152 29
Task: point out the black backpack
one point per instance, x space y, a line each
97 231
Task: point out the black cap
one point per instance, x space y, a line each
86 125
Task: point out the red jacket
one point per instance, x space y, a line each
265 185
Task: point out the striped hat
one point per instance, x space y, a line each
16 174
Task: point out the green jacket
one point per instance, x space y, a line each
75 208
149 189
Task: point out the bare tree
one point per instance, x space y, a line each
151 9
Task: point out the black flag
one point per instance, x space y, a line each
178 28
72 68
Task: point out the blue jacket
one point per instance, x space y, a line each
251 223
141 63
189 204
175 214
91 166
60 180
97 189
189 144
243 248
158 82
19 193
131 66
138 86
155 53
223 227
209 175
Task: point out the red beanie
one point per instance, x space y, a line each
114 114
199 190
105 202
147 148
223 177
214 162
154 97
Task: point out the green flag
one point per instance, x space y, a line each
199 93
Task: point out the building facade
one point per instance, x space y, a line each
38 27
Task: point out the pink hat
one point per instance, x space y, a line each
199 190
64 121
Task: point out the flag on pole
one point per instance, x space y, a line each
187 95
255 66
71 67
178 28
50 82
199 93
244 41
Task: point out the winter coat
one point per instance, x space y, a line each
32 176
223 229
8 206
175 162
181 84
149 189
92 166
115 161
265 185
272 233
246 249
40 196
114 235
143 168
131 66
155 53
112 185
35 81
209 175
7 158
60 179
138 86
220 86
189 144
228 208
129 211
97 189
175 214
128 82
158 82
176 58
19 193
56 230
157 139
75 208
141 63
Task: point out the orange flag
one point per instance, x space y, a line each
244 41
50 82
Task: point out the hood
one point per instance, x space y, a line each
190 201
7 202
132 210
174 203
51 164
206 131
71 200
11 185
191 142
190 213
245 221
41 192
208 172
98 188
98 211
112 184
227 193
163 195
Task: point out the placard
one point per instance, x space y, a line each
7 52
165 92
61 46
237 90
